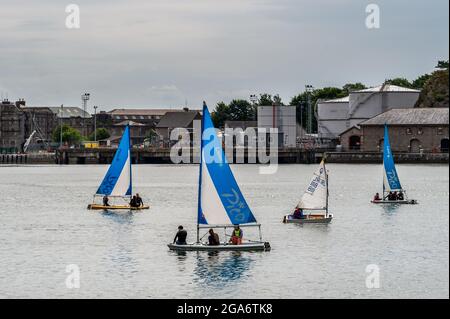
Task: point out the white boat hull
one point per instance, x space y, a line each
399 202
309 219
258 246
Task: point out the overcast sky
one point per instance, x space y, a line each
160 53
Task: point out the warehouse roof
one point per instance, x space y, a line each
178 119
387 88
69 111
340 100
415 116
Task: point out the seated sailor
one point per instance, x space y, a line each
377 197
298 213
139 201
236 236
105 200
180 237
213 238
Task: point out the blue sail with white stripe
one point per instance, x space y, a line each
391 181
220 199
117 181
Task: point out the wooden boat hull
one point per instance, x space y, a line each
399 202
259 246
310 219
115 207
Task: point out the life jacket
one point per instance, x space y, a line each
237 232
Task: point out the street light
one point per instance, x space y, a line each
84 98
95 123
60 126
309 89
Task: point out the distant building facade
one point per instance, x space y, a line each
284 119
75 117
12 126
338 115
410 130
177 119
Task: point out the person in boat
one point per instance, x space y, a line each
395 196
377 197
213 238
236 236
298 213
390 196
105 200
180 237
400 196
139 201
133 202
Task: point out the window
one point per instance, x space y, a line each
419 131
440 131
409 131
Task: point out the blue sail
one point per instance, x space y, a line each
117 181
391 181
220 199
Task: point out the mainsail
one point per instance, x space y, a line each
220 200
316 195
391 181
117 181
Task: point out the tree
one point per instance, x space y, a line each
69 135
220 114
420 81
442 65
351 87
399 82
102 133
237 110
266 99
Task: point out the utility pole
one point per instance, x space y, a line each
95 123
60 126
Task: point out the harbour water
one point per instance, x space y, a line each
45 226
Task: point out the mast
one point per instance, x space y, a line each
199 203
129 150
326 181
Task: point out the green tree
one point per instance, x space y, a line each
399 82
102 133
266 99
420 81
241 110
220 114
442 65
69 135
351 87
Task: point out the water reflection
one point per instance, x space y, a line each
391 209
119 217
216 269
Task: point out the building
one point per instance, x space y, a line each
284 119
75 117
176 119
149 117
338 115
12 126
138 131
43 121
410 130
350 139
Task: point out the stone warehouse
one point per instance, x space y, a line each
410 130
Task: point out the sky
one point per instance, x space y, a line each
172 53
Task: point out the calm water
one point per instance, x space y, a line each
44 226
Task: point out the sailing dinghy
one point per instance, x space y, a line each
391 181
314 202
221 204
117 182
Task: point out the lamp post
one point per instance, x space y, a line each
84 98
95 123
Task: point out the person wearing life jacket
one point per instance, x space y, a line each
236 235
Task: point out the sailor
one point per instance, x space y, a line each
105 200
390 196
213 238
298 213
139 201
236 236
180 237
400 196
133 202
377 197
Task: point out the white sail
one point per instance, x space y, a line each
315 196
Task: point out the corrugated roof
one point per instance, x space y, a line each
177 119
415 116
130 123
69 111
154 112
387 88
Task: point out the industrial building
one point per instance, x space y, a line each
338 115
284 119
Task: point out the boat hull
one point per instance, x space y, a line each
115 207
398 202
259 246
310 219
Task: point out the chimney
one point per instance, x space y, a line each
20 103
